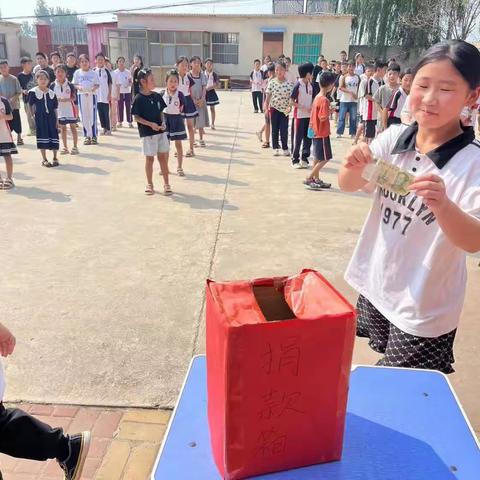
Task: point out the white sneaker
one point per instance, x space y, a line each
339 136
286 153
276 153
296 165
304 164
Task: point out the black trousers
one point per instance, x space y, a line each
257 98
104 115
279 126
23 436
15 123
300 139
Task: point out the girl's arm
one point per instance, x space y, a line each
461 228
341 85
152 125
5 116
267 101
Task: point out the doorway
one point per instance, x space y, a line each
272 44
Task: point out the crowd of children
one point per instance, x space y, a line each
58 96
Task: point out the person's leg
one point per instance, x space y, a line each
30 119
83 103
23 436
18 124
113 114
213 114
9 166
341 118
284 131
352 108
268 126
191 133
107 117
63 129
73 129
94 116
101 115
293 140
121 106
201 132
179 149
128 106
306 141
43 152
149 169
254 101
163 161
275 118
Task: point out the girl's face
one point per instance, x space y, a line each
71 61
344 69
182 67
100 61
84 64
407 82
196 66
392 77
280 72
209 66
257 65
43 81
55 60
137 61
121 63
350 69
438 95
148 83
267 60
60 75
172 83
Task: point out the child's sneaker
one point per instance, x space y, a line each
312 185
74 151
296 165
286 153
87 141
78 446
119 125
339 136
323 184
64 151
130 125
276 153
304 164
94 141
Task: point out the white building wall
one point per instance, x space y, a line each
12 33
335 30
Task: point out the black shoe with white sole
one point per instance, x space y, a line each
78 446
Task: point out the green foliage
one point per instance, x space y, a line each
68 18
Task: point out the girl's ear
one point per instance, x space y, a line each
472 97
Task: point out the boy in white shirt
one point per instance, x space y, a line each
104 93
124 82
256 83
86 82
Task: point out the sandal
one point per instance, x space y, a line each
55 163
213 127
8 184
46 163
180 172
190 153
265 145
20 141
167 190
149 189
64 151
74 151
202 143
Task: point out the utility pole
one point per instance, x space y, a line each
305 7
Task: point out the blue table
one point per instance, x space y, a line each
402 424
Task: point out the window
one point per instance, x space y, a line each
225 47
3 46
306 47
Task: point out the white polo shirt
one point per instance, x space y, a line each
87 80
123 79
403 262
303 94
256 80
105 80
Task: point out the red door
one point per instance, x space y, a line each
273 44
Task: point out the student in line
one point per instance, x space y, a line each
10 89
278 102
409 265
266 63
71 66
385 92
104 93
266 128
55 60
67 112
198 92
173 112
212 84
189 110
290 75
7 146
24 436
42 64
348 85
44 104
148 107
124 82
374 83
113 97
137 65
86 82
27 81
320 124
302 99
362 102
256 86
398 99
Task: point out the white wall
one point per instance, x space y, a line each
335 30
12 33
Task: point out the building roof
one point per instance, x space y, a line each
6 23
234 15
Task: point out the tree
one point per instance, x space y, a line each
28 30
58 16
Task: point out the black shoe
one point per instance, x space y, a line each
78 446
255 111
94 141
54 164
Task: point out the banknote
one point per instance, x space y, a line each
388 176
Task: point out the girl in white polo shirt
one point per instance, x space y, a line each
409 264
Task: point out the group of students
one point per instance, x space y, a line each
62 94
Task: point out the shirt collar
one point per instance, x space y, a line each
441 155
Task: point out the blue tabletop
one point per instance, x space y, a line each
402 424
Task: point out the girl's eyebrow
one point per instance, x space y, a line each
444 81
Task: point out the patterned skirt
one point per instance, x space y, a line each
7 148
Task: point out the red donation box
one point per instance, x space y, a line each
279 353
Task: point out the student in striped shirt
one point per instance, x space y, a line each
370 114
398 99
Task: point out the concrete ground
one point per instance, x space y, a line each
104 287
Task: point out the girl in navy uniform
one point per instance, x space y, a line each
212 84
175 102
190 111
409 265
44 104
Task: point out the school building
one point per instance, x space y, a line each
233 41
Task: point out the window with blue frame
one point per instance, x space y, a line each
306 47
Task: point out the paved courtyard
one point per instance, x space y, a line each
104 287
